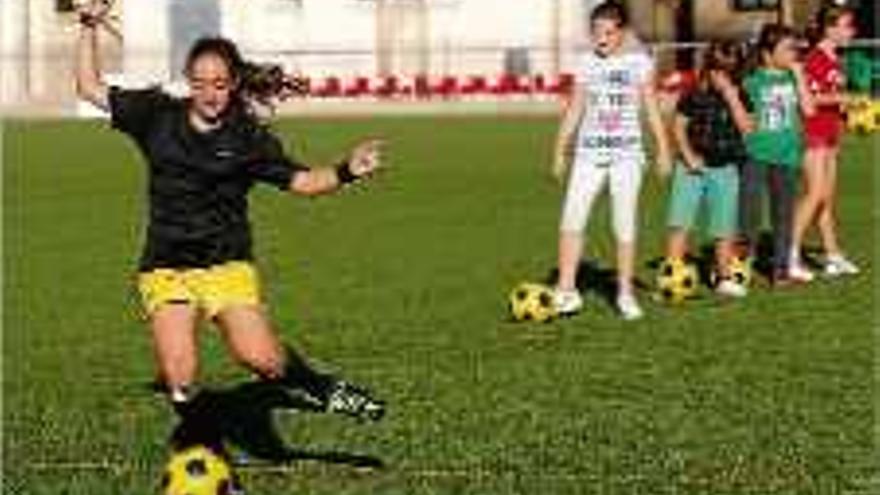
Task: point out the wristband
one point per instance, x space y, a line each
344 174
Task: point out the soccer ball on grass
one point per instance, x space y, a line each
677 280
532 302
199 471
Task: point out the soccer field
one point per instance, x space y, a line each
402 284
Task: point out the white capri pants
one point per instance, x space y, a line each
587 180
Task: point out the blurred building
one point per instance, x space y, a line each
351 37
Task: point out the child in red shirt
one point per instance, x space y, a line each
834 26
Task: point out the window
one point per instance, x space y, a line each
755 4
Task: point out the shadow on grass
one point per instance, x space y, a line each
594 278
762 263
243 416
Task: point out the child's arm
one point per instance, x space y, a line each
692 159
731 94
571 118
834 98
808 105
655 120
830 99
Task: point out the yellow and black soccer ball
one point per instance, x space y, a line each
677 280
863 115
532 302
199 471
739 270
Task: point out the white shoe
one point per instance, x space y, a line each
629 308
567 302
794 258
836 265
730 288
799 273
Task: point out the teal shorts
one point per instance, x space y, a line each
717 186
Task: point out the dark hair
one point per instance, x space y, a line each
723 56
254 84
771 35
610 10
827 16
220 47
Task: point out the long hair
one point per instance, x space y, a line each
720 56
826 17
771 35
723 56
256 87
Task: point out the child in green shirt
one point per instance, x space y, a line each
777 95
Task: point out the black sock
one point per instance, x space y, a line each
199 424
298 374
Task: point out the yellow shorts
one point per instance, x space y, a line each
210 289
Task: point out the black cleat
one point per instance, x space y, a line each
199 424
354 401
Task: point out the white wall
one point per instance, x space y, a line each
13 51
283 31
146 44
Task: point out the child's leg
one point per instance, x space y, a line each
782 197
626 181
570 250
584 185
827 220
677 243
684 203
835 262
724 254
813 198
722 194
751 190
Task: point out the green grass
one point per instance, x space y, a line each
402 285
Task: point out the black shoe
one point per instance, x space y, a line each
198 425
351 400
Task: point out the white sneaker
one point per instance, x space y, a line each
794 258
836 265
567 302
730 288
799 273
629 308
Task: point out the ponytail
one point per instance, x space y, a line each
257 87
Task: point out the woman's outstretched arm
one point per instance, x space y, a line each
89 85
362 162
